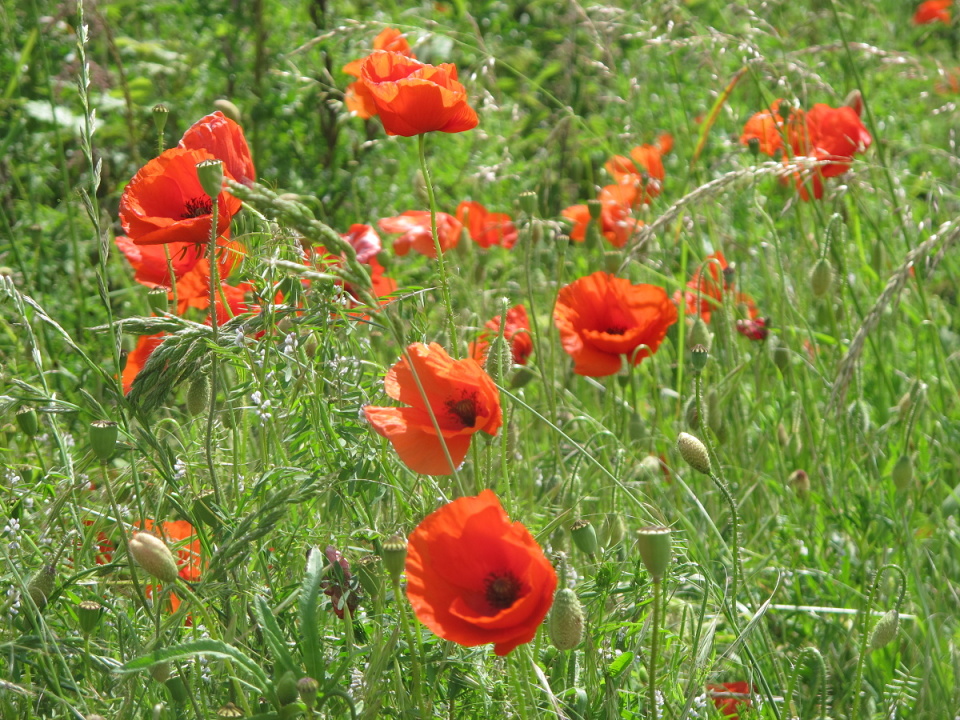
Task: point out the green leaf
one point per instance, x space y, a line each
274 637
309 603
213 648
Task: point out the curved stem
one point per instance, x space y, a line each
813 654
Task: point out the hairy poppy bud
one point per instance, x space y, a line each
27 421
694 452
160 671
902 473
395 556
198 395
499 360
103 438
152 554
700 334
228 109
885 630
287 691
157 300
655 550
565 624
210 174
821 278
41 585
584 536
308 689
89 613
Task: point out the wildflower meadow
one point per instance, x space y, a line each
479 360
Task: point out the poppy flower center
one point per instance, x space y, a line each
464 409
615 330
197 207
502 589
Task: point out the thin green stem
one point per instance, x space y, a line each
215 331
654 648
415 649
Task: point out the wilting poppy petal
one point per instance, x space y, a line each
473 577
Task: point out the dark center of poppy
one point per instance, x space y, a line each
197 207
464 410
615 330
502 589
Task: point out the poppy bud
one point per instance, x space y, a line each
655 550
177 689
528 202
800 482
228 109
27 420
854 100
565 624
754 145
368 572
902 473
308 689
691 414
41 585
160 671
613 529
698 358
584 536
198 395
395 556
287 690
694 452
781 358
499 360
650 468
103 438
160 114
157 300
152 554
89 613
210 174
885 630
821 278
700 334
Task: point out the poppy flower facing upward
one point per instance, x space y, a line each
602 318
516 332
730 697
457 395
474 577
165 202
415 226
412 97
487 228
933 11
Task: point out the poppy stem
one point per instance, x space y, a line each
215 331
416 648
654 648
441 263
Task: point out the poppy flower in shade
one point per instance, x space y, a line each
516 331
933 11
415 226
165 203
461 397
730 697
709 288
617 223
474 577
487 228
602 318
223 138
366 243
356 97
753 328
412 97
137 358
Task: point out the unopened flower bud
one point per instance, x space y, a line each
395 556
287 691
565 624
655 550
694 452
584 536
160 671
177 689
89 613
308 689
210 174
821 278
103 438
27 421
700 334
499 360
152 554
885 630
198 395
228 109
41 585
902 473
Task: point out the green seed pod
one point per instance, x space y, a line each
308 688
103 438
160 114
885 630
160 671
699 357
210 174
287 690
27 420
655 550
198 395
595 208
395 556
565 624
754 145
584 536
528 202
821 278
158 300
41 585
89 613
152 554
694 452
902 473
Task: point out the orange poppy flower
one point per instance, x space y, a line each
415 226
224 139
357 98
516 332
459 395
487 228
189 558
727 705
137 358
617 224
413 98
933 11
165 203
602 318
643 169
766 127
709 287
149 262
474 577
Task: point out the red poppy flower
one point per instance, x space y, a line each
766 127
516 332
415 226
709 288
366 243
413 98
643 169
105 547
223 138
193 291
357 97
753 328
601 318
164 203
933 11
146 344
727 705
459 395
149 262
617 223
474 577
187 551
487 228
